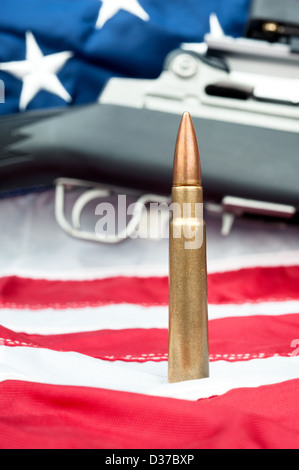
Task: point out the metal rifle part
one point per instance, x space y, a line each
243 83
188 349
269 69
94 191
275 21
249 147
235 206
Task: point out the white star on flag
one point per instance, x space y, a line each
110 8
38 72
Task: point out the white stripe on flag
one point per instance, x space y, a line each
89 274
109 317
288 258
69 368
274 259
122 316
247 309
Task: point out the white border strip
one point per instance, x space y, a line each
69 368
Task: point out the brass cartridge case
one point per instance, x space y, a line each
188 349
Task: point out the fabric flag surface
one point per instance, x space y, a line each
83 326
83 357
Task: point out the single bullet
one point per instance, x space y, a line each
188 349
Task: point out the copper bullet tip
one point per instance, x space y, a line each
186 166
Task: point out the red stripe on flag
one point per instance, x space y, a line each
260 284
231 339
54 416
263 284
16 292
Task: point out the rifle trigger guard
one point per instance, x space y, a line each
95 191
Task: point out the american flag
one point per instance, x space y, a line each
83 355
